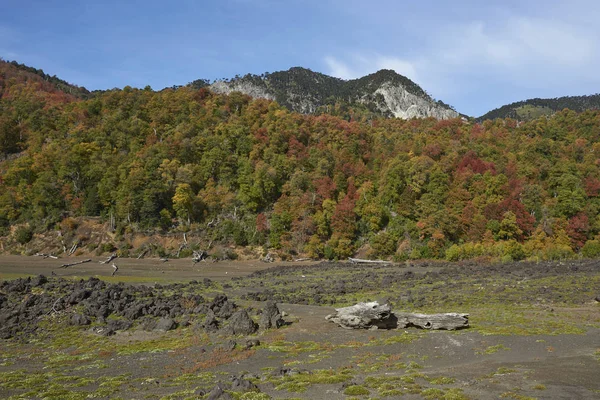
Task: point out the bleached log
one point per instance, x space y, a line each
45 255
199 255
370 315
142 254
268 258
109 259
115 269
181 247
301 259
374 316
73 248
363 261
76 263
448 321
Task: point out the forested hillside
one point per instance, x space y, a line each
534 108
238 171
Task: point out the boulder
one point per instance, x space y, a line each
271 316
165 324
240 323
211 324
217 393
80 320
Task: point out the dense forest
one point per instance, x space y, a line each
534 108
250 172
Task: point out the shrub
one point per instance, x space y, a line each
514 250
24 234
69 224
591 249
356 390
383 244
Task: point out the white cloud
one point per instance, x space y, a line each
360 65
338 68
548 55
518 42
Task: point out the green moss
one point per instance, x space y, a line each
300 382
441 380
356 390
492 349
443 394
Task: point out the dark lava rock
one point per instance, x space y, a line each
240 323
250 343
217 393
80 319
239 384
226 310
102 331
165 324
39 281
210 322
218 302
17 286
119 324
271 316
284 371
229 345
78 296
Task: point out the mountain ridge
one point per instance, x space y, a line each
384 92
529 109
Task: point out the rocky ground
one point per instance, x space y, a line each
170 331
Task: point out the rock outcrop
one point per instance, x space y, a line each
302 90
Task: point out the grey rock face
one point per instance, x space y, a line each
165 324
240 323
405 105
271 316
393 95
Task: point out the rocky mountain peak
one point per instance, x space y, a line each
384 92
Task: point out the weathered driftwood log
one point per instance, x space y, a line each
363 261
45 255
448 321
268 258
109 259
181 247
199 255
364 316
73 248
76 263
374 316
142 254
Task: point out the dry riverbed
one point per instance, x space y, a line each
535 331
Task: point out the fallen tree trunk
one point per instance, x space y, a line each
199 255
76 263
364 316
374 316
448 321
45 255
142 254
109 259
363 261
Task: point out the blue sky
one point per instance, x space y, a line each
473 55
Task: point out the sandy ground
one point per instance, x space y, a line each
523 367
144 270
